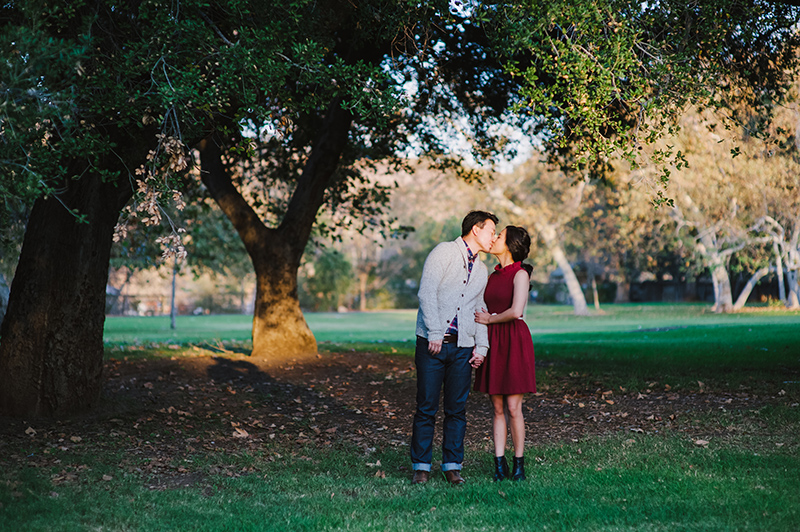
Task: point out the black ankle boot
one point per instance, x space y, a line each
500 468
519 468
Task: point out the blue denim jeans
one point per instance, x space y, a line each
449 368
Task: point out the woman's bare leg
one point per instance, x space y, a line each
499 426
517 422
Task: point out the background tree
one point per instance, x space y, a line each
778 153
547 201
326 278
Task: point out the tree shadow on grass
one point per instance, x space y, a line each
239 371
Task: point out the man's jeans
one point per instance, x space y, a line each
450 368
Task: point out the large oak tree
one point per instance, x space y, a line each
105 99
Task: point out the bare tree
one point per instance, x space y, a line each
547 201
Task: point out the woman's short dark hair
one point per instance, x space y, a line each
474 218
518 242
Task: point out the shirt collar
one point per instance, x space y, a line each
470 255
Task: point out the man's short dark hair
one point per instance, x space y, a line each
476 218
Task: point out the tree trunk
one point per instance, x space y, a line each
51 354
550 239
792 268
3 297
779 272
173 308
280 331
748 288
723 295
708 249
793 285
595 295
793 297
623 294
362 291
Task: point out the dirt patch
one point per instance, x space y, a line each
158 415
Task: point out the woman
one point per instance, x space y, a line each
508 371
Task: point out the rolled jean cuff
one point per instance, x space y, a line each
451 466
422 467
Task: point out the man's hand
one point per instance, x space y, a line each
435 346
476 359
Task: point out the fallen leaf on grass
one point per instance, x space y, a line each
107 477
240 433
380 474
701 443
30 431
75 439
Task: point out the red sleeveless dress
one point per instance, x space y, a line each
509 367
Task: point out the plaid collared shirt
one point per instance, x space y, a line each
453 328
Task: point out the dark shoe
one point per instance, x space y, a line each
519 468
421 477
500 468
454 477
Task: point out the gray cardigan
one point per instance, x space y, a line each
444 292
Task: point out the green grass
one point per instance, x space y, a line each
546 322
744 479
599 484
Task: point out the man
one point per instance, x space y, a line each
449 343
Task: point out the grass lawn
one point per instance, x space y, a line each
545 321
628 345
705 433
